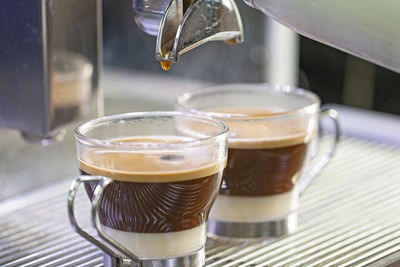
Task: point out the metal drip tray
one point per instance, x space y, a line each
348 217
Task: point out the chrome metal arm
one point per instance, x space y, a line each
186 24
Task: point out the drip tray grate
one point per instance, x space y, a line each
348 217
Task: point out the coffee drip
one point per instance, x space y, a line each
165 65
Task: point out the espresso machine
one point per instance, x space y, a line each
51 63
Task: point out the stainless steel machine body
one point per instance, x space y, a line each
50 60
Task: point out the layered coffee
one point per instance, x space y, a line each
158 204
265 159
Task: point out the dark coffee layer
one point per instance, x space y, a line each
261 172
157 207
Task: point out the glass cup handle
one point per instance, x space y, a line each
325 112
98 192
71 213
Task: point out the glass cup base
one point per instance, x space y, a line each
196 259
248 231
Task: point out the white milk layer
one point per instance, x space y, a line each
254 209
160 245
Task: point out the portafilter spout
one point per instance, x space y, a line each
186 24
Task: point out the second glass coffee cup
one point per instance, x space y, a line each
273 134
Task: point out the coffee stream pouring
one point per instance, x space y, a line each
365 28
181 25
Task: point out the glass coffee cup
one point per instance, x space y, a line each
151 178
273 134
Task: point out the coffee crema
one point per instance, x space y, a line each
154 191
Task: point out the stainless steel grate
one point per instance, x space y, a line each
348 217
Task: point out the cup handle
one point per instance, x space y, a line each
98 193
325 112
71 213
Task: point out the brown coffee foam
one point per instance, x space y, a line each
269 143
257 128
151 166
248 112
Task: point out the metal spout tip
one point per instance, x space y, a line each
168 57
182 29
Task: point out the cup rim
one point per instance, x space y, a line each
84 139
257 87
